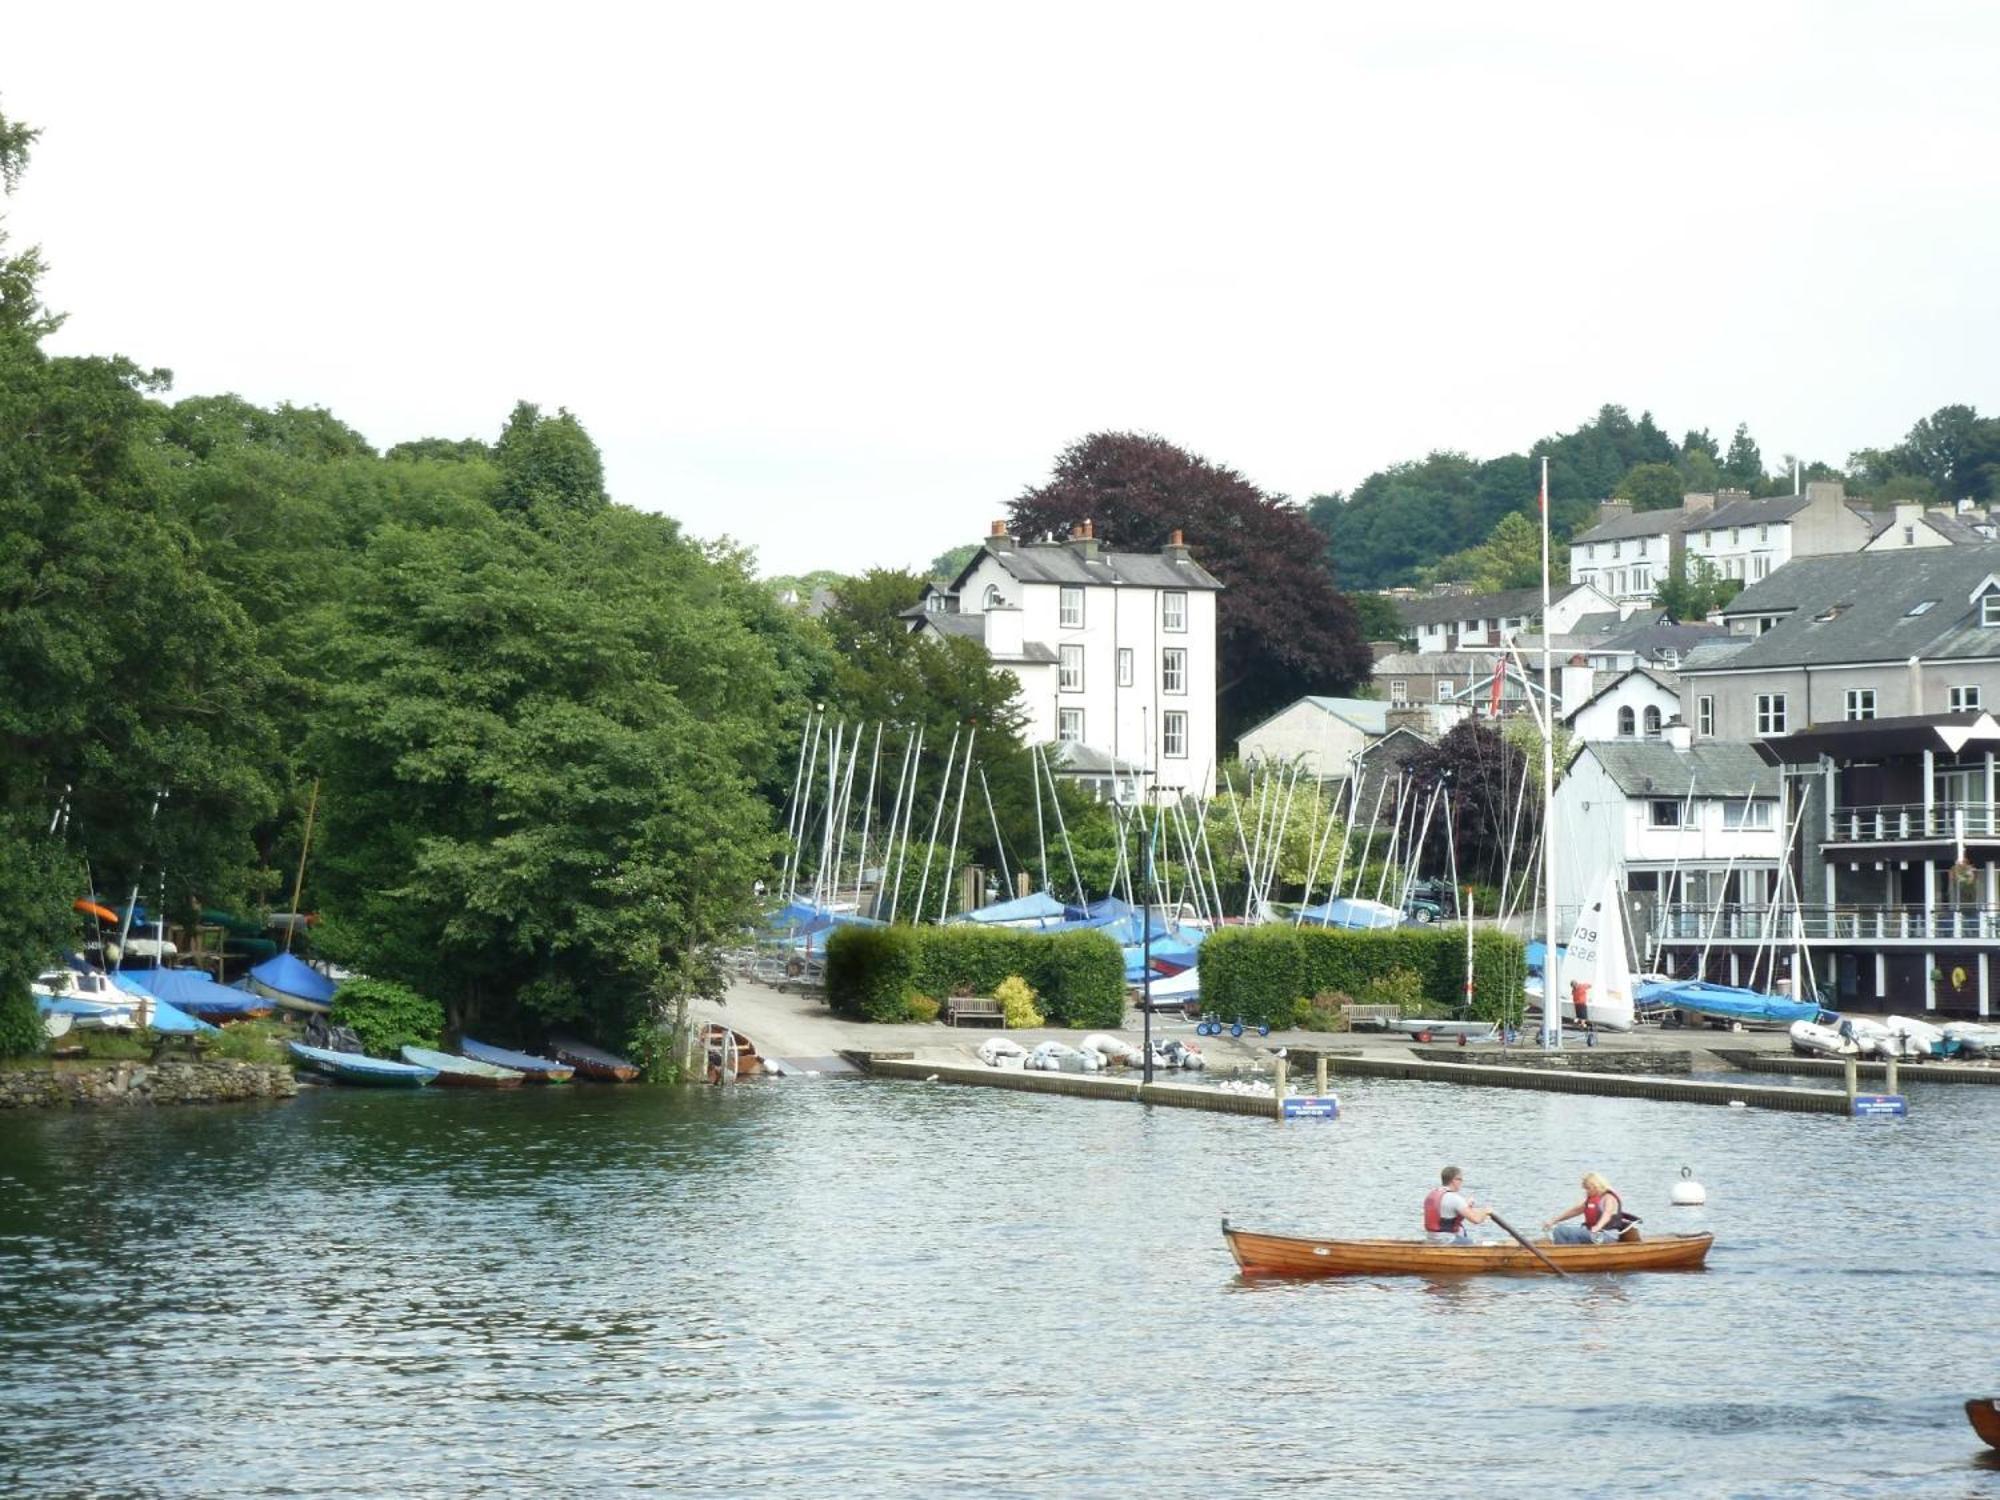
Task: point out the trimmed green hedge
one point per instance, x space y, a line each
1260 973
872 972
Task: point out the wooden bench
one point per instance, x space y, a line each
1370 1017
973 1008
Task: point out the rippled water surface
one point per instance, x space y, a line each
852 1287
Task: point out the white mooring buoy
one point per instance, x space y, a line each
1687 1192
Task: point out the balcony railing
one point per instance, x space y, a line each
1737 924
1904 822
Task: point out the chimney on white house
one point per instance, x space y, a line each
1613 510
1698 502
1083 540
1176 548
998 539
1679 736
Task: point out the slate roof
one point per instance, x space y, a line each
1444 609
1713 653
1437 664
1665 681
1086 760
1661 634
973 628
1639 523
1750 513
1714 768
1869 596
1059 563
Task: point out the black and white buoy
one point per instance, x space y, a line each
1687 1192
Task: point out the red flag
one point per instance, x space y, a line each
1499 678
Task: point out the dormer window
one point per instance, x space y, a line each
1989 609
934 603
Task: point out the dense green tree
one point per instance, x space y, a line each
948 562
1511 558
1654 486
1744 465
1378 618
548 465
452 449
1481 775
1689 593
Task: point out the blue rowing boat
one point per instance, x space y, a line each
537 1069
352 1067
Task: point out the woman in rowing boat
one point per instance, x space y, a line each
1602 1216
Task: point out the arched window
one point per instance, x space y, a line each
1652 722
993 599
1626 723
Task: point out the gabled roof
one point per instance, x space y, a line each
973 628
1369 715
1060 563
1444 609
1714 768
1664 681
1639 523
1750 513
1857 607
1436 663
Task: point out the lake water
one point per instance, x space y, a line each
850 1287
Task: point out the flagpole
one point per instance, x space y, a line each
1551 969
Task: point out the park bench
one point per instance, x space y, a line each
1370 1017
974 1008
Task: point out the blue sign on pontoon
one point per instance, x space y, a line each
1310 1107
1880 1106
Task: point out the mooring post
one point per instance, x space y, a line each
1853 1071
1889 1075
1319 1075
1279 1087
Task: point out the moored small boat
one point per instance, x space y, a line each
352 1067
1286 1255
730 1054
462 1072
593 1062
1984 1413
533 1069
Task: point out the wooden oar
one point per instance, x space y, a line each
1525 1245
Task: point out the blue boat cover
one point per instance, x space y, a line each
1725 1001
168 1018
355 1062
193 991
1535 952
1363 915
1040 908
1182 955
500 1057
284 973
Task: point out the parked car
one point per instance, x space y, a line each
1431 901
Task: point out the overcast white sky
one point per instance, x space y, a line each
840 280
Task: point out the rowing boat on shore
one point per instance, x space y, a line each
352 1067
533 1069
1984 1412
593 1062
462 1072
1284 1255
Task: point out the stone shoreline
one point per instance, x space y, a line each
95 1085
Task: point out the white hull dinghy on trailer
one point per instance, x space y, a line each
1810 1039
1974 1040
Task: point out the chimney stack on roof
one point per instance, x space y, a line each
1083 538
1730 497
998 539
1176 548
1826 494
1613 510
1698 501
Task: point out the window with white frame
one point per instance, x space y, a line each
1617 549
1666 815
1070 679
1756 813
1770 713
1445 686
1069 607
1173 670
1399 690
1989 608
1642 546
1763 533
1173 734
1909 536
993 597
1965 696
1628 723
1861 703
1704 716
1173 609
1124 666
934 604
1652 721
1069 725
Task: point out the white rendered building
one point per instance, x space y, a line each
1115 651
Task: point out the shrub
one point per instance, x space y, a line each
922 1008
1400 987
1017 1003
387 1016
253 1041
1323 1012
21 1032
871 972
1260 973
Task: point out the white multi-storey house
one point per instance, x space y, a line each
1115 651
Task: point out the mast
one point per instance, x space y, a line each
1551 977
299 881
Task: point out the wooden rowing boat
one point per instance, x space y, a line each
462 1072
1984 1412
724 1047
533 1069
1285 1255
593 1062
352 1067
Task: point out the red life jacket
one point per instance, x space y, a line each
1434 1220
1593 1205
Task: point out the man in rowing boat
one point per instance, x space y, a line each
1447 1211
1601 1217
